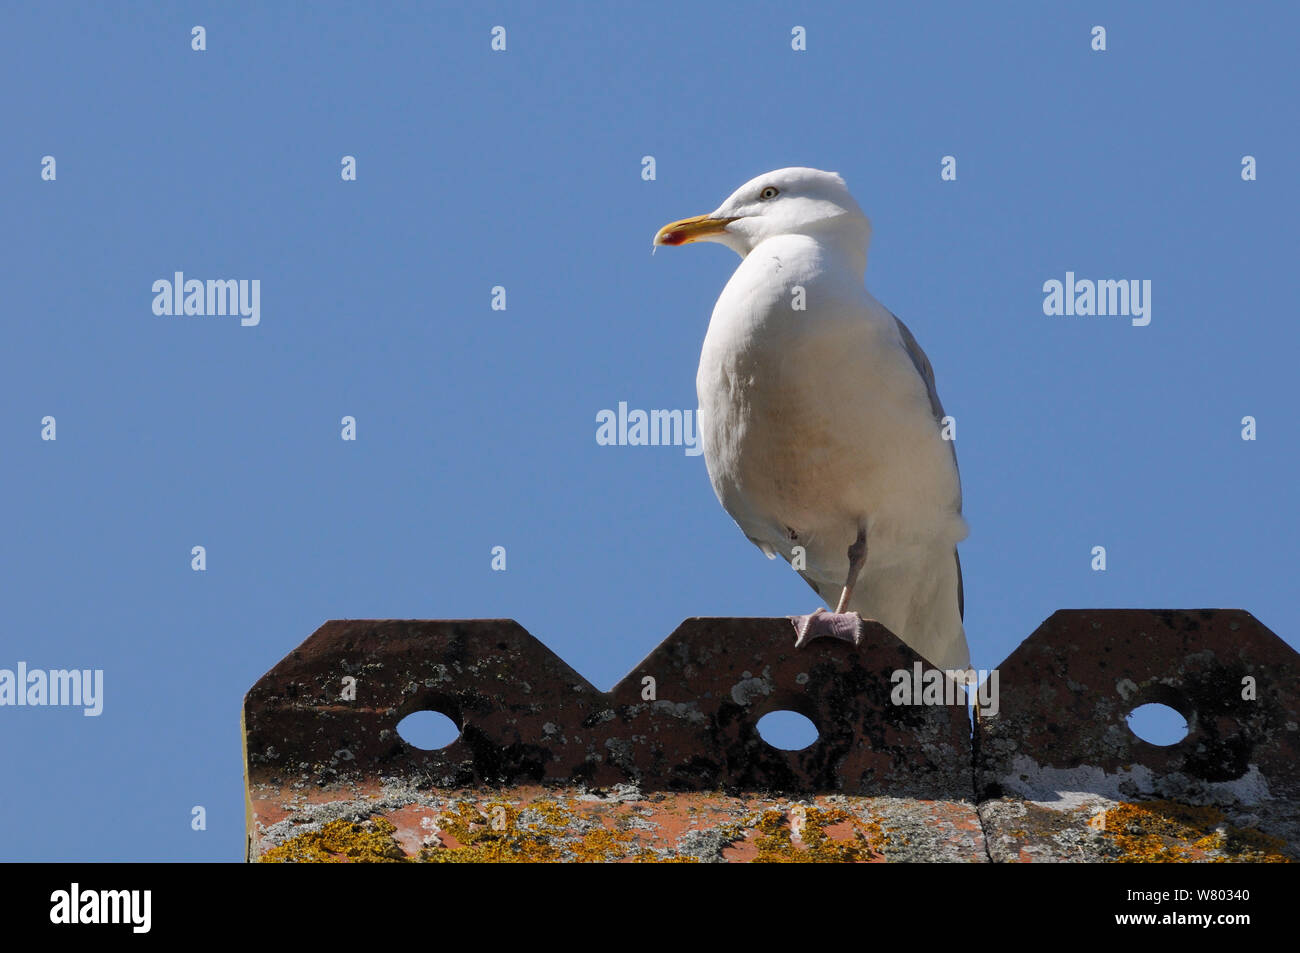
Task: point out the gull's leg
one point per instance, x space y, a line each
857 559
839 624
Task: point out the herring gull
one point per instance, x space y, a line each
819 418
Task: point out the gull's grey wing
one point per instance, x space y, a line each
922 365
961 592
926 370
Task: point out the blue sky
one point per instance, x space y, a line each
476 428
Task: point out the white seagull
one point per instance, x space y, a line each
821 425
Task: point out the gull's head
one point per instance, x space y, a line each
793 201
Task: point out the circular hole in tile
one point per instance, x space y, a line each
1157 724
428 730
787 730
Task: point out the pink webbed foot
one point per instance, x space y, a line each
821 624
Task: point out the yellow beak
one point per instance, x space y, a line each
690 230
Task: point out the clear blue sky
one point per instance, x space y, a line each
476 427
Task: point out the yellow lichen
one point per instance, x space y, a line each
338 842
544 831
1168 832
649 857
777 844
483 838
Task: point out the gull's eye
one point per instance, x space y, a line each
769 193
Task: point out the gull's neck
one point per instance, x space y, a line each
839 251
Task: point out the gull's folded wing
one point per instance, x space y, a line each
924 368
